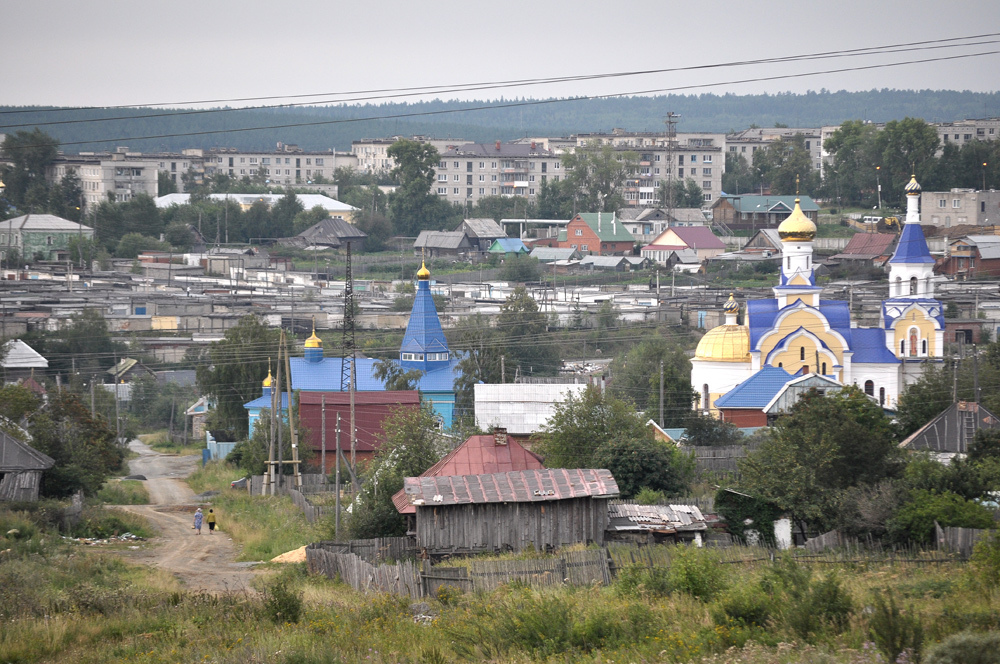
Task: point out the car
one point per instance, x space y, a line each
239 484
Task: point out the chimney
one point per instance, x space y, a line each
532 146
500 436
498 146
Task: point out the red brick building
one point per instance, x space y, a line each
597 234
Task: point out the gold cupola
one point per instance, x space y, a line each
726 343
314 341
913 187
267 381
423 274
797 227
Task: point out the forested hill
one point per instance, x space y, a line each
495 120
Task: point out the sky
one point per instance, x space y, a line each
108 53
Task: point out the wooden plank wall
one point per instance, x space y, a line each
511 526
401 578
958 540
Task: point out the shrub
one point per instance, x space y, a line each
282 604
808 605
745 604
123 492
966 648
985 560
102 523
893 631
637 579
695 572
647 496
915 520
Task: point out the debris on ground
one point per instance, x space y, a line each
296 556
93 541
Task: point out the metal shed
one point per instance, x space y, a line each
517 510
21 469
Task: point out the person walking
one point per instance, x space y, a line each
197 521
211 521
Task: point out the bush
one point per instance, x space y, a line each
985 560
647 496
966 648
637 579
915 520
696 572
893 631
282 604
102 523
123 492
808 606
745 604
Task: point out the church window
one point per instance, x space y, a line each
789 261
805 369
704 396
924 347
780 365
902 348
881 396
870 388
913 285
913 343
824 369
802 352
899 285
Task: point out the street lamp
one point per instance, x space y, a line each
984 176
878 185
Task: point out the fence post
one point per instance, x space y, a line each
563 571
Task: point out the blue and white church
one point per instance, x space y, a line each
798 331
424 348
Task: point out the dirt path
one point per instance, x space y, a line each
202 562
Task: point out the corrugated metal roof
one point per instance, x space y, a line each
42 222
16 456
441 240
478 455
525 486
952 430
508 245
655 518
370 411
754 203
22 356
757 390
867 246
481 229
554 254
611 228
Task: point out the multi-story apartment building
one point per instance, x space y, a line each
748 141
286 165
472 171
965 131
372 157
120 175
960 206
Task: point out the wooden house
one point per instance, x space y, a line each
21 468
949 434
513 511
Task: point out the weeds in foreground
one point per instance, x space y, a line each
123 492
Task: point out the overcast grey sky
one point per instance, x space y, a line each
104 52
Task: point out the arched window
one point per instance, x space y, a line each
902 348
913 285
780 365
870 388
824 369
899 286
913 343
805 369
704 397
802 352
881 396
923 346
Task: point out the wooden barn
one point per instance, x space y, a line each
21 469
512 511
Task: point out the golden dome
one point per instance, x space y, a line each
913 187
314 341
725 343
797 227
267 381
731 306
423 273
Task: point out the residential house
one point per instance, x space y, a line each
971 256
21 468
40 237
960 207
752 212
614 263
434 244
127 371
769 393
517 510
553 254
597 233
21 361
867 250
949 434
699 239
764 241
481 233
333 233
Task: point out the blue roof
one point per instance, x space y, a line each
868 344
423 332
265 402
757 390
761 315
912 247
325 375
929 304
675 433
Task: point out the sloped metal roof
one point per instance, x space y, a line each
22 356
952 430
16 456
524 486
42 222
655 518
865 246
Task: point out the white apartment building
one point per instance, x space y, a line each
965 131
122 174
472 171
748 141
286 165
372 157
960 206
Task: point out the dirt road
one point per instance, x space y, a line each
201 562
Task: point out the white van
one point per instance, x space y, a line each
870 220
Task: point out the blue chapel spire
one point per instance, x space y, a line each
424 344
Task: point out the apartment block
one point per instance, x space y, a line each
123 175
960 206
965 131
286 165
372 157
472 171
748 141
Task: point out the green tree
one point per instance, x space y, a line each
850 177
915 520
133 244
520 269
306 219
165 184
84 345
826 444
738 178
904 147
283 214
237 366
412 207
924 399
378 229
30 154
584 423
637 378
140 215
412 443
391 374
645 463
480 347
786 166
705 430
524 327
597 174
556 200
503 207
687 194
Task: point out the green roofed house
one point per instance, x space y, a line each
40 236
597 234
752 212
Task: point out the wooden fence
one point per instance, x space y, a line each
400 578
312 483
723 458
375 550
958 540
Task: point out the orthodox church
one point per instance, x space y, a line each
424 348
803 334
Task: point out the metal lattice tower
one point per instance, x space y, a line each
347 344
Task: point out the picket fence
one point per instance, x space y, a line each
958 540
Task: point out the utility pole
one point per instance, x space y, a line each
296 471
503 369
118 417
661 393
322 415
92 409
281 429
268 486
975 376
354 429
954 385
336 527
670 121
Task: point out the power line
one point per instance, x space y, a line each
539 102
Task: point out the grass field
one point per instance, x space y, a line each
159 442
123 492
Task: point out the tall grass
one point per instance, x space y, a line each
160 442
123 492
